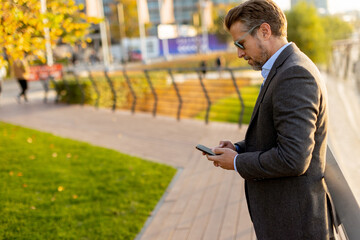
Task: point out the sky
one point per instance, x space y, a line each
334 5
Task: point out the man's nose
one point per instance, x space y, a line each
241 53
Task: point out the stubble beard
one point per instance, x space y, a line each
264 56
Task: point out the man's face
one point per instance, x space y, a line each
254 51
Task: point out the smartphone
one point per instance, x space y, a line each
205 149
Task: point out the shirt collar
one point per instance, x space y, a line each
265 70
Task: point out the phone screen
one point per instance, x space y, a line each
205 149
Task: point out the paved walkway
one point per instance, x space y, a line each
203 202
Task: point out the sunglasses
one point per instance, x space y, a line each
237 42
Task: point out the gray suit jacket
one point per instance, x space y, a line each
282 158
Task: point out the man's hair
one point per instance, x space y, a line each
253 13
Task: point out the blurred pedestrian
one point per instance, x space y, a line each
219 62
203 67
21 71
2 76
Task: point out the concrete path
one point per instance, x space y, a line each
203 202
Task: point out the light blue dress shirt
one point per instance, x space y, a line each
265 70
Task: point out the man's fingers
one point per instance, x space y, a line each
226 144
218 150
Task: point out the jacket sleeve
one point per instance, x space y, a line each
240 146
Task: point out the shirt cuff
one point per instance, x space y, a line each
235 163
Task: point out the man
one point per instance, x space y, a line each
282 157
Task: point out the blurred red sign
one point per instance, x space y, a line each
43 72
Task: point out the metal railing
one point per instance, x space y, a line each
205 92
346 206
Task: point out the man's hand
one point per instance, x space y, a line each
224 157
226 144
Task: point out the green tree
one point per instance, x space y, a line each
219 12
336 28
22 26
305 28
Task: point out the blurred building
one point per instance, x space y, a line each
165 16
321 5
183 9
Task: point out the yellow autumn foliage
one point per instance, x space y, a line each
22 26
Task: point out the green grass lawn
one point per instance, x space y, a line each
56 188
228 109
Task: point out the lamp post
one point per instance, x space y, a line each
103 33
205 36
143 17
120 10
49 55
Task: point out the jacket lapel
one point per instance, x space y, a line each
279 61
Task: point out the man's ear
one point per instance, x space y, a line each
265 31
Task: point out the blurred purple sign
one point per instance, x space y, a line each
191 45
